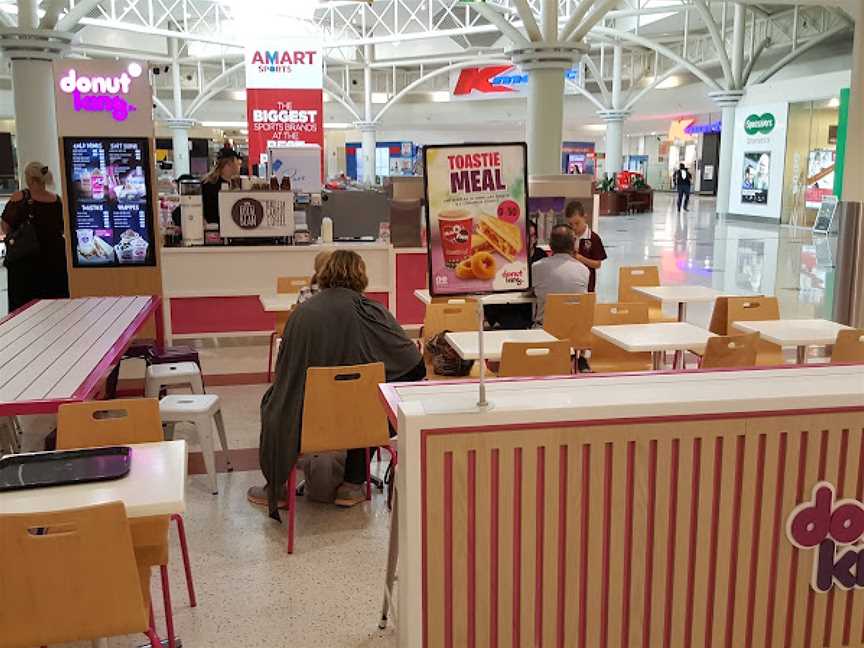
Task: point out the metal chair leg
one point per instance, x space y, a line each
169 612
184 551
392 562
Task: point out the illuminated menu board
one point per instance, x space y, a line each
108 184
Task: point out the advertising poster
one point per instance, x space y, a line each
109 203
757 178
284 100
546 212
820 177
477 208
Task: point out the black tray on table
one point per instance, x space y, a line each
18 472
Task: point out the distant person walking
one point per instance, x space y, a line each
684 183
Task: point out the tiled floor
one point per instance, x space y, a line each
251 593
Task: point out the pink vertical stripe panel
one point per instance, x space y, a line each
493 549
715 523
841 480
472 548
670 547
562 545
736 529
517 547
628 545
694 528
583 558
754 543
649 543
777 525
793 567
859 493
607 543
448 549
540 522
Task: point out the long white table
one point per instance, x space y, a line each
656 339
278 303
155 485
467 344
488 300
799 333
680 296
57 351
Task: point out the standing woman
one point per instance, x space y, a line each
228 165
41 273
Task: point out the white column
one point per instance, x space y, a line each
727 102
367 127
180 144
617 56
36 136
28 16
614 139
545 120
738 44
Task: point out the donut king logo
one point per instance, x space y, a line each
756 124
101 93
835 530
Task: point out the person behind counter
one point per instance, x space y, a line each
228 165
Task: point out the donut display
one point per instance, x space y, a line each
464 270
484 266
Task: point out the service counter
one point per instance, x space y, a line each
213 291
628 510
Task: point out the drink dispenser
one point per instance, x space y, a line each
191 213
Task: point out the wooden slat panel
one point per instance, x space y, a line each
723 551
435 541
529 545
505 536
595 546
639 563
460 546
710 482
549 601
685 522
618 481
854 605
819 603
576 540
484 535
661 541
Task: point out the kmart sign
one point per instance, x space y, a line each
759 124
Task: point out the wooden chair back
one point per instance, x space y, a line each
731 352
535 359
70 576
720 317
849 346
570 316
102 423
630 277
453 300
605 356
342 409
751 309
450 317
291 285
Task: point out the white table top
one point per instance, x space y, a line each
680 294
588 397
498 298
798 332
49 351
467 344
667 336
155 485
279 303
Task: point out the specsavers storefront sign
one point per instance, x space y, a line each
759 124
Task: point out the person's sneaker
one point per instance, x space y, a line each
348 495
582 365
257 495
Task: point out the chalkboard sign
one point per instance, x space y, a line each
825 216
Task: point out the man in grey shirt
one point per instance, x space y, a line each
559 273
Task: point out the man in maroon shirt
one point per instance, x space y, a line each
589 245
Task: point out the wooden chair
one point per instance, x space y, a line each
447 316
630 277
360 422
70 576
128 422
730 352
750 309
849 346
535 359
570 316
284 286
605 356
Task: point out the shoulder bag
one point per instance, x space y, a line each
23 243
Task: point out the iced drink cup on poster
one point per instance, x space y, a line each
455 226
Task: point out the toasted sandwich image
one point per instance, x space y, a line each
505 238
479 243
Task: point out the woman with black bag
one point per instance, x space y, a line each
35 246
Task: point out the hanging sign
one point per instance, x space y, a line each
477 199
284 100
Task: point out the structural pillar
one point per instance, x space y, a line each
614 139
180 144
367 150
727 101
31 52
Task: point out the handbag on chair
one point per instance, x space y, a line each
23 243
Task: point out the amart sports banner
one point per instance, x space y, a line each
284 101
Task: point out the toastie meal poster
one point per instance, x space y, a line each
476 211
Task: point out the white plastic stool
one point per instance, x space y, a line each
177 374
203 411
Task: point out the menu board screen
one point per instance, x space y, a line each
107 181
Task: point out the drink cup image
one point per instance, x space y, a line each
456 226
86 245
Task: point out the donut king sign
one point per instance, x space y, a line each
760 124
834 530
